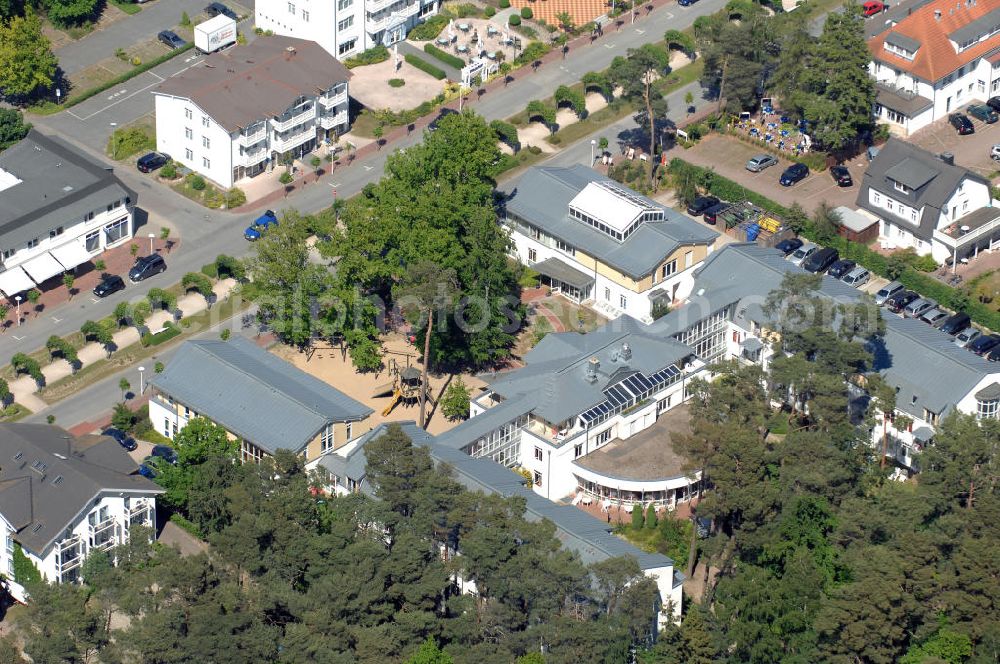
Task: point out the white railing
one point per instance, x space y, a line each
334 99
292 141
99 531
374 25
251 158
333 120
292 121
974 234
247 140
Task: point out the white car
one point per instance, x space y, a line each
995 152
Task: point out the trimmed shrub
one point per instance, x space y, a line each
651 520
526 12
506 133
429 29
235 197
447 58
504 4
211 270
575 100
169 170
168 332
489 12
227 266
514 20
285 178
533 51
372 56
424 66
197 182
638 520
396 82
197 282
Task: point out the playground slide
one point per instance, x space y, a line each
396 396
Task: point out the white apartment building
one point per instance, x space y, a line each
926 202
601 244
242 111
935 60
343 27
62 498
58 210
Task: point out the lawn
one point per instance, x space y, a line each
671 536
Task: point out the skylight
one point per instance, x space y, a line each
613 210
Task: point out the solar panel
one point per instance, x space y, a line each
638 384
664 375
617 395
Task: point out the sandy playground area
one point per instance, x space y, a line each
332 367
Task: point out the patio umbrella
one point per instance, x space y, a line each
451 31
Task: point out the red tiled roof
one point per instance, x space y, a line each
937 57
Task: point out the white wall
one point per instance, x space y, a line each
172 121
315 20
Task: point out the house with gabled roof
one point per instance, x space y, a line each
263 402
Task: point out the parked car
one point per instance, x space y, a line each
956 323
898 302
841 176
984 343
122 438
792 174
841 268
147 266
788 246
995 152
164 452
934 317
872 152
760 162
147 471
994 103
712 214
686 3
111 283
872 7
857 277
887 291
967 336
802 253
260 225
170 39
217 8
700 204
820 261
918 307
983 113
148 163
961 123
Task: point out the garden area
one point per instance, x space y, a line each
656 533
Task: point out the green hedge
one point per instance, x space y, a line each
424 66
166 334
372 56
948 296
447 58
132 73
429 29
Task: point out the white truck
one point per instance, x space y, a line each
215 33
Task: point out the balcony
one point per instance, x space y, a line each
292 141
70 554
335 98
252 157
139 515
550 434
102 535
329 121
246 140
976 227
375 24
285 122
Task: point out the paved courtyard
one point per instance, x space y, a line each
972 151
728 157
370 86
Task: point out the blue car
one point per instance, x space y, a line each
686 3
147 471
121 438
164 452
260 226
793 174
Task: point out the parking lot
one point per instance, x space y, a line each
728 157
972 151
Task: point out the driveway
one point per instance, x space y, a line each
728 157
972 151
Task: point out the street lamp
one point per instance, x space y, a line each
141 386
151 236
593 145
17 298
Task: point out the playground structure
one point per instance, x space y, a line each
404 387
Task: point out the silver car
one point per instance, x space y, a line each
857 277
934 317
918 307
802 253
966 337
760 162
887 291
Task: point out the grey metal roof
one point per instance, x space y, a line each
853 220
984 25
48 477
901 159
254 394
353 464
923 433
556 268
485 423
541 197
907 103
59 185
902 41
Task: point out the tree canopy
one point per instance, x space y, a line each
27 64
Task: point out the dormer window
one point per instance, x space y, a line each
899 186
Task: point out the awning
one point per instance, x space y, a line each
752 344
923 434
554 268
14 280
71 254
42 267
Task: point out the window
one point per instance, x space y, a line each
116 231
89 216
56 231
876 198
537 478
206 162
326 439
603 437
346 46
688 259
166 426
607 294
538 454
291 8
188 114
532 256
7 253
348 431
534 233
251 452
987 408
346 23
344 4
188 154
663 404
188 134
566 248
93 241
32 243
206 142
899 186
623 302
930 417
669 268
577 451
305 16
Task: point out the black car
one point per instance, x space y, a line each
840 268
700 204
962 123
111 283
712 214
841 176
994 355
788 246
147 266
956 323
984 344
898 302
121 437
994 103
794 173
164 452
170 39
217 8
150 162
821 260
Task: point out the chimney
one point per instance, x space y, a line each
289 52
593 364
626 352
947 157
